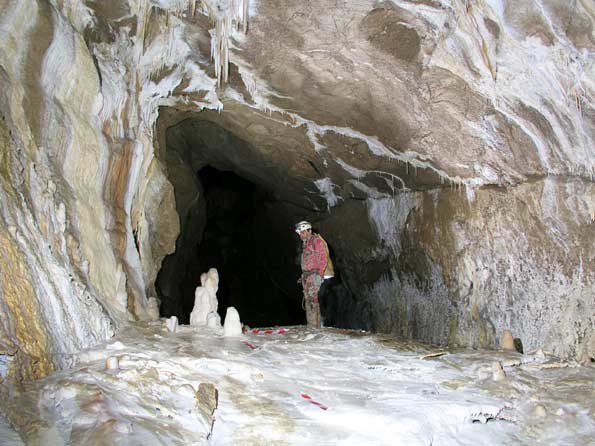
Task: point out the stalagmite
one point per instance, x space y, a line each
232 325
172 324
507 342
213 320
153 308
498 372
205 298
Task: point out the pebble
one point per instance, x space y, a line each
112 363
498 372
540 411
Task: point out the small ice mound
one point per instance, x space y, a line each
112 363
172 324
232 325
498 373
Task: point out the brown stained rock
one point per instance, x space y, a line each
385 30
33 99
207 398
492 27
109 17
527 20
328 78
507 341
20 317
574 19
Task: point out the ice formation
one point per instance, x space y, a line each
205 298
172 324
232 325
297 387
229 15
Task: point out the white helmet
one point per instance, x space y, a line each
302 226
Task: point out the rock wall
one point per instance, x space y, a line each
78 258
456 270
61 287
87 211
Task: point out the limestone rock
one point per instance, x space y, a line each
463 167
153 309
207 398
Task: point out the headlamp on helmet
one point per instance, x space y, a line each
302 226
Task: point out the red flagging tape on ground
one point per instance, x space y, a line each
269 331
311 401
251 346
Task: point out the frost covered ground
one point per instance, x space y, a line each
306 387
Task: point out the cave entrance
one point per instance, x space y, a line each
232 220
250 249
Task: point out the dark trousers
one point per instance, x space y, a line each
325 297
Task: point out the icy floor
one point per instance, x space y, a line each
306 387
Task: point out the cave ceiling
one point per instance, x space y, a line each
336 102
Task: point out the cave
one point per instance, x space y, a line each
443 149
238 215
250 244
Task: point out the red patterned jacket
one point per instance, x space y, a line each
315 257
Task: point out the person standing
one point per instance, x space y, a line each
316 266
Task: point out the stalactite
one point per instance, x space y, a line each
227 15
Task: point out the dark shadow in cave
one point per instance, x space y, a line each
253 250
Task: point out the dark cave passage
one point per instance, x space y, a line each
237 206
251 244
255 256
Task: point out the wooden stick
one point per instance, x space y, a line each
554 365
432 355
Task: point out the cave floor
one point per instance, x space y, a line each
298 386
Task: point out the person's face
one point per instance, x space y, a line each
305 234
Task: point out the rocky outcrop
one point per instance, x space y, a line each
443 147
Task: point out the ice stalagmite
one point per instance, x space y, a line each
205 298
232 325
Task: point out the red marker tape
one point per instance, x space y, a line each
311 401
251 346
269 331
